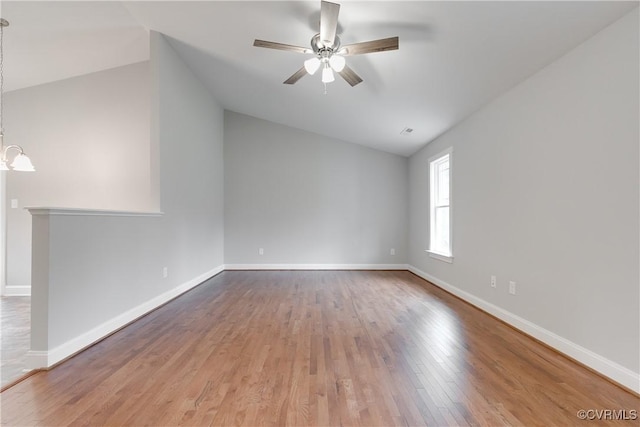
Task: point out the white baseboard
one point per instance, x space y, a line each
604 366
46 359
315 267
17 291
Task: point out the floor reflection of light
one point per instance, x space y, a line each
440 334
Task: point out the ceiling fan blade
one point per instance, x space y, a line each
350 76
296 76
281 46
381 45
328 22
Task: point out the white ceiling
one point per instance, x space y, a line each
454 57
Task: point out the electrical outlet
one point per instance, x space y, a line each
494 282
14 203
512 288
261 251
165 272
392 251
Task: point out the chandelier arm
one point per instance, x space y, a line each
15 147
6 150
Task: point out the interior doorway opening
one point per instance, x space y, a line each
15 311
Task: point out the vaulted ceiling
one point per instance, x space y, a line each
454 57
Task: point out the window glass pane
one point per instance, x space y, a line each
443 183
441 241
440 171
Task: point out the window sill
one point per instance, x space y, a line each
440 257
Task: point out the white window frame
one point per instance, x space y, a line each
433 189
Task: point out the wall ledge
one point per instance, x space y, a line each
50 211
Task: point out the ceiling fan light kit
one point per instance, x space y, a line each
337 62
328 54
312 65
327 74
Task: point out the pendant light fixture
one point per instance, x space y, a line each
21 162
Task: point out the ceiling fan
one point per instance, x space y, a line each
328 53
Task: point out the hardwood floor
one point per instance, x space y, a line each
315 348
15 336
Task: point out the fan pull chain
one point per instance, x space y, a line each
325 89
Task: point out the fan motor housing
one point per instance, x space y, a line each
318 46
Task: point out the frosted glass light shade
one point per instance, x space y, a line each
312 65
337 62
22 163
327 75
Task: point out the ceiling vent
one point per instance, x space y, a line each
406 131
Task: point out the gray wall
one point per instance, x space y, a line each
308 199
88 138
93 272
189 125
545 193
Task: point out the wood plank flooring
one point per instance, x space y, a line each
15 337
307 348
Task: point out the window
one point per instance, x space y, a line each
440 206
